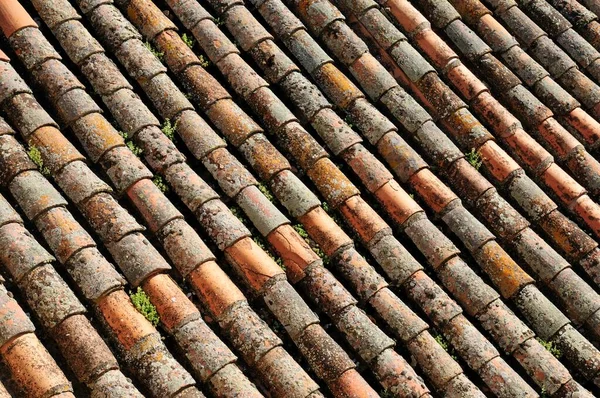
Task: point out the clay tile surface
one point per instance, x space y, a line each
300 198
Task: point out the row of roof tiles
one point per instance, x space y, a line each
193 259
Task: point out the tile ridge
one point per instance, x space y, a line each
564 70
121 237
487 151
399 12
524 245
235 250
81 345
584 21
469 133
562 144
561 31
75 248
175 311
167 59
592 5
32 367
271 2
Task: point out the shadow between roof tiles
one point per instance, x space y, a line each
534 75
578 16
593 5
380 24
53 302
559 29
34 371
3 392
209 56
586 248
372 345
244 253
356 314
418 75
164 47
155 367
74 248
268 11
585 21
550 220
526 150
541 47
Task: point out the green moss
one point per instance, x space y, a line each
36 156
299 228
260 242
161 184
331 213
188 40
321 254
265 191
441 340
239 214
204 62
158 54
137 151
301 231
169 129
349 121
551 347
474 158
142 303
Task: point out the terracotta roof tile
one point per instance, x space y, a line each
458 116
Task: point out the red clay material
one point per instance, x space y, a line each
272 227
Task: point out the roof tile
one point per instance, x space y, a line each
220 296
26 373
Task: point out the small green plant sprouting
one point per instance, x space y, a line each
239 214
548 345
321 254
142 303
188 40
441 340
168 129
387 394
219 21
158 54
474 158
301 231
204 62
412 195
260 242
349 121
265 191
299 228
331 213
160 183
36 156
137 151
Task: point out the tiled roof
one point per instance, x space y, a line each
347 198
